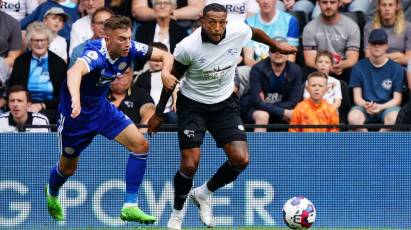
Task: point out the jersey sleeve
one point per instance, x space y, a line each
140 51
181 55
93 58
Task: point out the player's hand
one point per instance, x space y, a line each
285 48
169 81
154 123
75 107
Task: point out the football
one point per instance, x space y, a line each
299 213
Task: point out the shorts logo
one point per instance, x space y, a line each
69 150
241 127
189 133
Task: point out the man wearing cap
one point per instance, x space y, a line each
377 85
54 19
275 89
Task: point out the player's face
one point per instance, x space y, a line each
329 8
317 87
156 65
213 24
39 44
324 64
18 104
118 42
388 9
122 83
97 26
378 49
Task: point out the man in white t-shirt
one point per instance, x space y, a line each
207 60
81 29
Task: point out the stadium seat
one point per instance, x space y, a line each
302 19
361 19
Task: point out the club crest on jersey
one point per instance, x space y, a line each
122 65
233 51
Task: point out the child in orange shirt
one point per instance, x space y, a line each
315 110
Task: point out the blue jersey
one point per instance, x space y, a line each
102 70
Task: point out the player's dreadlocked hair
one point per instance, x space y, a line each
214 7
117 22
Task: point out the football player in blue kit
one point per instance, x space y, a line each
85 112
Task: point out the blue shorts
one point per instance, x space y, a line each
376 118
76 134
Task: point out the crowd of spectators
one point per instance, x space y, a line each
362 77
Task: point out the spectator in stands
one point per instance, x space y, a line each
324 63
19 101
275 89
164 29
97 26
275 23
150 80
10 44
81 29
306 6
346 5
40 71
390 17
336 33
315 110
18 9
405 5
135 102
54 19
186 10
377 85
238 9
38 15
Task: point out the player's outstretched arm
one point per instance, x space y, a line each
74 75
169 81
262 37
157 119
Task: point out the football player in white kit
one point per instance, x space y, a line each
207 60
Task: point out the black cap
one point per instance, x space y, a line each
378 36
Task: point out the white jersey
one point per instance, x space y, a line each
209 78
237 9
8 125
18 9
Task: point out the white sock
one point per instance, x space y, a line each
203 191
176 212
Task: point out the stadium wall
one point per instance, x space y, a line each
353 179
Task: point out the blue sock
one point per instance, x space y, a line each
56 180
136 167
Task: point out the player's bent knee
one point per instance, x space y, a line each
140 148
68 170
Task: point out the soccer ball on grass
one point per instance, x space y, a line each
299 213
